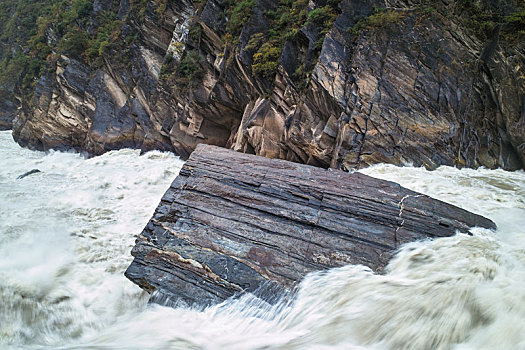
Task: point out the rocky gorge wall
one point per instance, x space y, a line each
406 84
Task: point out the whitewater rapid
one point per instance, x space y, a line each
66 235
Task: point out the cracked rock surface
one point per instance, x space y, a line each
230 222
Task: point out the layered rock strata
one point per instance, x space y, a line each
231 222
415 87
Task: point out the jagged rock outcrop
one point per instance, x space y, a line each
230 222
410 85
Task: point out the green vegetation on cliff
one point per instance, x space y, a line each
285 21
20 57
33 33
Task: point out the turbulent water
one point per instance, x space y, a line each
66 235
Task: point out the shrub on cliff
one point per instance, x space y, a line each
514 29
239 14
190 70
266 59
74 43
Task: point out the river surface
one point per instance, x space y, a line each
67 231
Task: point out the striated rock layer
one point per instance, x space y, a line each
414 87
231 222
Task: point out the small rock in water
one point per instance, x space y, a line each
34 171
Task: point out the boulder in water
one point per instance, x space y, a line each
31 172
231 222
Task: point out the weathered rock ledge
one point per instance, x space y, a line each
231 221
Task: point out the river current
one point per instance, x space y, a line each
67 231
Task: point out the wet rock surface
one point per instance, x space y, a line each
8 109
30 172
231 222
415 88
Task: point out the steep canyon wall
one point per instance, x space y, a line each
408 83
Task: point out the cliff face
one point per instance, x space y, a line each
409 84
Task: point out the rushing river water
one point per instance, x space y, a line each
66 235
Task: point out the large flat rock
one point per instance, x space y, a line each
232 221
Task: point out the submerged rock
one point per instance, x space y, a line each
31 172
230 222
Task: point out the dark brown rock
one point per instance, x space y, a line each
231 222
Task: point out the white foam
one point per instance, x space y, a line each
69 231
